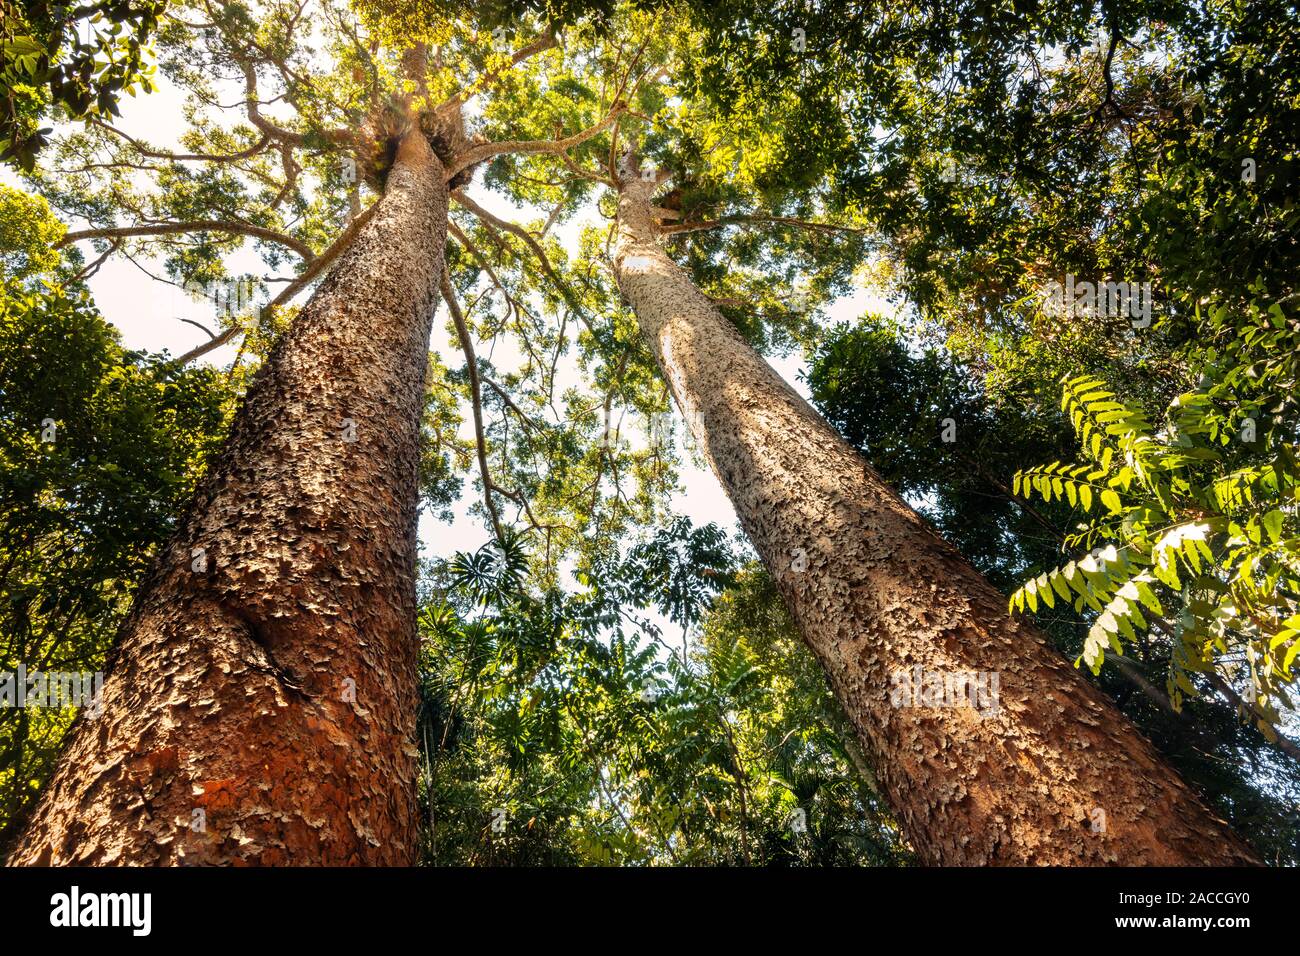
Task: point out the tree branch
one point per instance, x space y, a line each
143 150
287 294
523 234
209 346
469 246
555 147
509 403
476 398
199 225
91 269
290 137
545 41
682 227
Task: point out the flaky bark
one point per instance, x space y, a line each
261 705
1054 775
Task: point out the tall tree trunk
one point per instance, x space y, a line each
1054 775
261 705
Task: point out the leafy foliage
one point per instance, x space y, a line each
927 423
995 145
28 235
99 449
78 58
562 728
1201 514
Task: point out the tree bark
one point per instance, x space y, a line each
1055 774
260 708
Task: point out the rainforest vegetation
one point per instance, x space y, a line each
649 432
